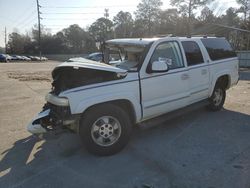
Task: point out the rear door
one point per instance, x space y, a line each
198 71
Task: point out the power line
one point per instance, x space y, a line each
27 10
69 18
56 25
25 18
67 7
28 23
71 13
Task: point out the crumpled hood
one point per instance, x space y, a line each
70 75
89 64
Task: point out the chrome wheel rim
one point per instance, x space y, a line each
106 131
218 96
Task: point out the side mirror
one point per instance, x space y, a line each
161 65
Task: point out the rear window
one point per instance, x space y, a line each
218 48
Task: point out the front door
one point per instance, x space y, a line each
164 92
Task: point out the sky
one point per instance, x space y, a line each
22 14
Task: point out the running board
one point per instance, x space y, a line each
174 114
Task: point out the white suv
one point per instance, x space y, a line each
154 76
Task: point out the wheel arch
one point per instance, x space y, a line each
124 104
223 79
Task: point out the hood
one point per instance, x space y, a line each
77 63
70 75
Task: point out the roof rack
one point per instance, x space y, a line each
203 36
164 35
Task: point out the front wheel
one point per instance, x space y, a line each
105 129
217 99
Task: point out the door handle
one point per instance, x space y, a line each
184 76
203 71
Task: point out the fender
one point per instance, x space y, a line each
215 78
108 97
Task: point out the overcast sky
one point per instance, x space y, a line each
22 14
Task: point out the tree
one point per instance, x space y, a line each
167 20
230 18
101 29
123 23
2 50
207 15
17 42
76 39
187 7
147 12
245 7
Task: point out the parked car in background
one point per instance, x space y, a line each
16 58
97 56
34 58
8 57
26 58
44 58
3 58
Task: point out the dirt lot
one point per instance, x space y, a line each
198 149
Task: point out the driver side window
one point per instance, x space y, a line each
170 52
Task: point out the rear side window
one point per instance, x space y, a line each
193 53
218 48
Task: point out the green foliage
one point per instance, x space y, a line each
2 50
150 20
18 43
70 40
101 29
186 7
147 13
123 24
244 8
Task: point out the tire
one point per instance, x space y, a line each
217 99
105 129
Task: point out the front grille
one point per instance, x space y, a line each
58 112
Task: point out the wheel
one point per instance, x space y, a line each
217 99
105 129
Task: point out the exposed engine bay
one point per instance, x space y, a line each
66 78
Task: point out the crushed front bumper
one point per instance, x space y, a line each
53 118
55 115
35 126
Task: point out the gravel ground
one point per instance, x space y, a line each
198 149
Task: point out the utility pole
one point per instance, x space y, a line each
5 39
106 13
39 28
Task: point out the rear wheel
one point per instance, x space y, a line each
217 99
105 129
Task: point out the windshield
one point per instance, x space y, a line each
129 57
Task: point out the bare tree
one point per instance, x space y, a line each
148 12
187 7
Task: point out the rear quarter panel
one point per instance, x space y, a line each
224 67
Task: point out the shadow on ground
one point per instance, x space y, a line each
199 149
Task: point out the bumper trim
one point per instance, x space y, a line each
36 128
58 101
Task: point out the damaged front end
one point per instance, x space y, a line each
56 114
